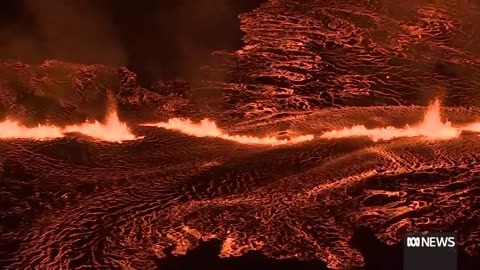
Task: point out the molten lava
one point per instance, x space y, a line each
208 128
432 127
113 130
11 129
474 127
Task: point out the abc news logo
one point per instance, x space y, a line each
431 241
430 250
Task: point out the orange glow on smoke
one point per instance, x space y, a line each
12 129
432 127
208 128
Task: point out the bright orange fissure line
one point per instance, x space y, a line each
113 130
432 127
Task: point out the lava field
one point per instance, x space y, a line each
313 136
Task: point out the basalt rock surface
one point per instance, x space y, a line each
305 67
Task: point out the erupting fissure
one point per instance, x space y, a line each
12 129
208 128
112 130
431 127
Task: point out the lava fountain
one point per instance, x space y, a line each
208 128
112 130
432 127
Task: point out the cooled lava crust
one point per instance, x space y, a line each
305 67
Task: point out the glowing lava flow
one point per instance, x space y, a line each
113 130
208 128
10 129
432 127
475 127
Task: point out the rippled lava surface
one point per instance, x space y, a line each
307 67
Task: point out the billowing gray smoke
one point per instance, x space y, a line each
67 30
156 38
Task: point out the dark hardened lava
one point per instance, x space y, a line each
73 203
304 55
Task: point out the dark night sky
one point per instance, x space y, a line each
159 38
